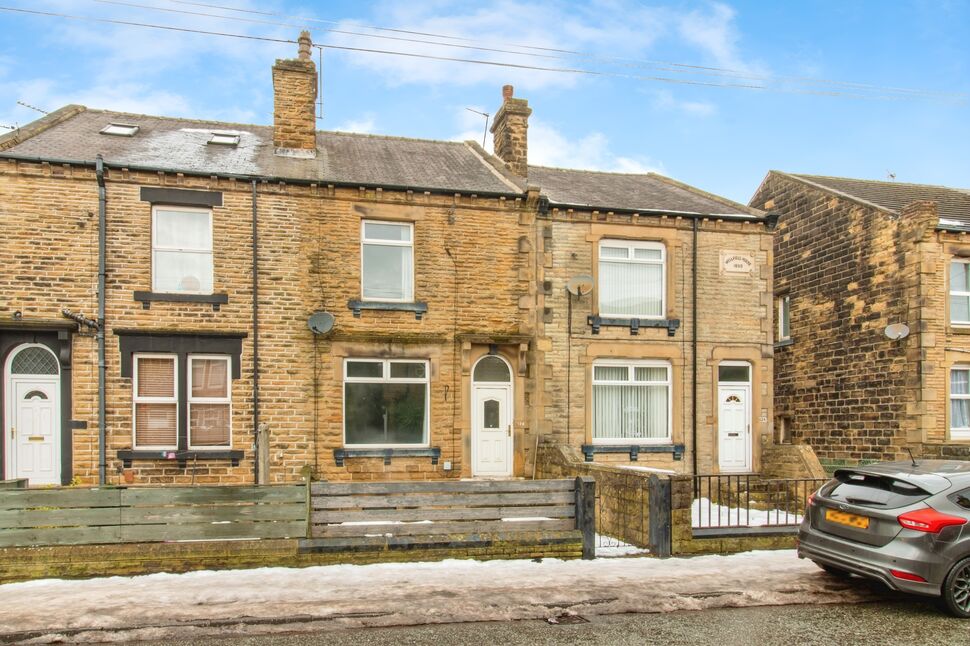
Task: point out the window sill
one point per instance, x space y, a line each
959 328
596 322
147 298
417 307
589 450
182 457
784 343
339 455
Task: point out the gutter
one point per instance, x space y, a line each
102 239
250 178
735 217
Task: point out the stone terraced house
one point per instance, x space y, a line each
872 290
191 302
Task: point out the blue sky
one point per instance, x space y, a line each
720 139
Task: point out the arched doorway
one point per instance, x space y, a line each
32 440
492 417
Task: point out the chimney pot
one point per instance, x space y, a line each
304 43
507 91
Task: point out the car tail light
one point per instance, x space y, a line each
907 576
929 520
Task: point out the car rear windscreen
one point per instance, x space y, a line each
868 490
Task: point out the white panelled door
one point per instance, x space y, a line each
34 434
734 429
492 431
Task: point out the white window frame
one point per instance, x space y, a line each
364 240
385 378
784 309
197 250
952 292
956 433
135 399
631 245
208 400
631 365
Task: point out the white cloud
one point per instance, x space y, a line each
364 126
666 101
550 147
715 33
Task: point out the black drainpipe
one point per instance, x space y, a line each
102 239
255 343
693 345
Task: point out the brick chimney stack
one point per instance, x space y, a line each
294 103
510 133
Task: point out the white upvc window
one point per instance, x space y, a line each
631 282
960 402
784 318
387 261
181 250
386 403
155 403
960 292
209 402
631 402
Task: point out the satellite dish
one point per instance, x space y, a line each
897 331
320 322
580 285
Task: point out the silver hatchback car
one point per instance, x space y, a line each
906 524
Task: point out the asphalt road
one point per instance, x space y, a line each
898 622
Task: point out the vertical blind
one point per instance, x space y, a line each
631 279
631 402
960 399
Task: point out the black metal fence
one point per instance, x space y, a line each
722 501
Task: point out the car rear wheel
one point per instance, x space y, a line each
834 571
956 589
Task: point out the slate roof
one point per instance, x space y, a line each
953 204
629 191
73 134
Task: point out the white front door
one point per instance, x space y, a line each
33 430
734 429
492 431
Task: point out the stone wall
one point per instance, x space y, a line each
790 461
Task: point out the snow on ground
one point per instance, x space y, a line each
647 469
160 606
607 546
704 513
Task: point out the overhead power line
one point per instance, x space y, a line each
559 70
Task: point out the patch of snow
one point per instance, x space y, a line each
704 513
386 522
351 596
647 469
525 518
607 546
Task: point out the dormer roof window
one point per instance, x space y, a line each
120 129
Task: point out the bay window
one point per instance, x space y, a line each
631 282
631 402
386 402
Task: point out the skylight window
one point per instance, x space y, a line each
224 139
120 129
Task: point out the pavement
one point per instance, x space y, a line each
899 621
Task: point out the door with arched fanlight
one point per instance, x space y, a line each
734 416
492 418
32 437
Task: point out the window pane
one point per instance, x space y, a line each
959 277
34 361
960 413
628 289
383 231
492 369
156 377
210 378
733 373
611 373
177 271
155 425
365 369
630 412
960 309
650 373
490 412
209 425
614 252
647 254
410 370
960 382
387 272
183 229
785 313
385 413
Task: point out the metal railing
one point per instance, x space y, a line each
722 501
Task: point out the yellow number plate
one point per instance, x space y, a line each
843 518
